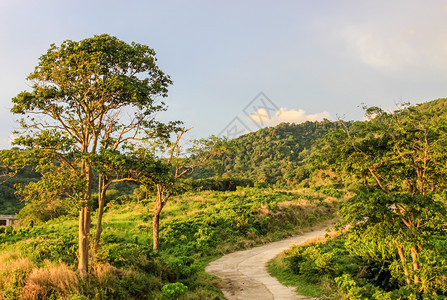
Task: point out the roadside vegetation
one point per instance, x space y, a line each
394 245
39 261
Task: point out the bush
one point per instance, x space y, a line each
52 281
54 247
173 290
312 263
183 267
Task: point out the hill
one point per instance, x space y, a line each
273 155
9 203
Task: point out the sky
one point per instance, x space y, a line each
241 65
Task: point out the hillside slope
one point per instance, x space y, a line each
272 155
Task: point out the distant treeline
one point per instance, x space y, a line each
218 184
9 203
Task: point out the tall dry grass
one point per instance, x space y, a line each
106 274
14 270
57 280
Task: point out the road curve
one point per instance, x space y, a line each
244 273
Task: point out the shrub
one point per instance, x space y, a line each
173 290
311 262
182 266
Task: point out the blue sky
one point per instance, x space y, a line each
312 59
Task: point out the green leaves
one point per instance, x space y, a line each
87 90
400 159
400 151
140 165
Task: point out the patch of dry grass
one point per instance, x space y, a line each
331 200
106 273
52 279
13 271
195 198
264 210
299 202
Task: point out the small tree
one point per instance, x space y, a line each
97 93
114 166
182 164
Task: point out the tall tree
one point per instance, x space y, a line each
97 93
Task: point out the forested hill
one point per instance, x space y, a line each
272 155
276 155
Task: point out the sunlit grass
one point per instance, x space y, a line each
199 225
278 268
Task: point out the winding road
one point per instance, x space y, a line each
244 273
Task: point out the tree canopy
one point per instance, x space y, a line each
91 98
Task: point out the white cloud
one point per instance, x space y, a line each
379 50
261 117
12 137
401 49
5 142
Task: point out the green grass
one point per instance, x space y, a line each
278 268
195 229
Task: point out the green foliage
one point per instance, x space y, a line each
272 155
217 184
78 297
403 151
280 268
195 228
312 263
173 290
246 212
182 266
55 194
338 272
122 253
14 172
397 213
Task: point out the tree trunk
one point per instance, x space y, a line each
365 179
101 201
156 219
379 182
414 256
156 230
84 223
162 198
84 229
403 261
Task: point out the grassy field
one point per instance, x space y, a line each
39 262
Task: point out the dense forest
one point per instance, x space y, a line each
9 202
273 155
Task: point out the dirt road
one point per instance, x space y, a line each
244 273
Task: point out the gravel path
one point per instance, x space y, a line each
244 273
